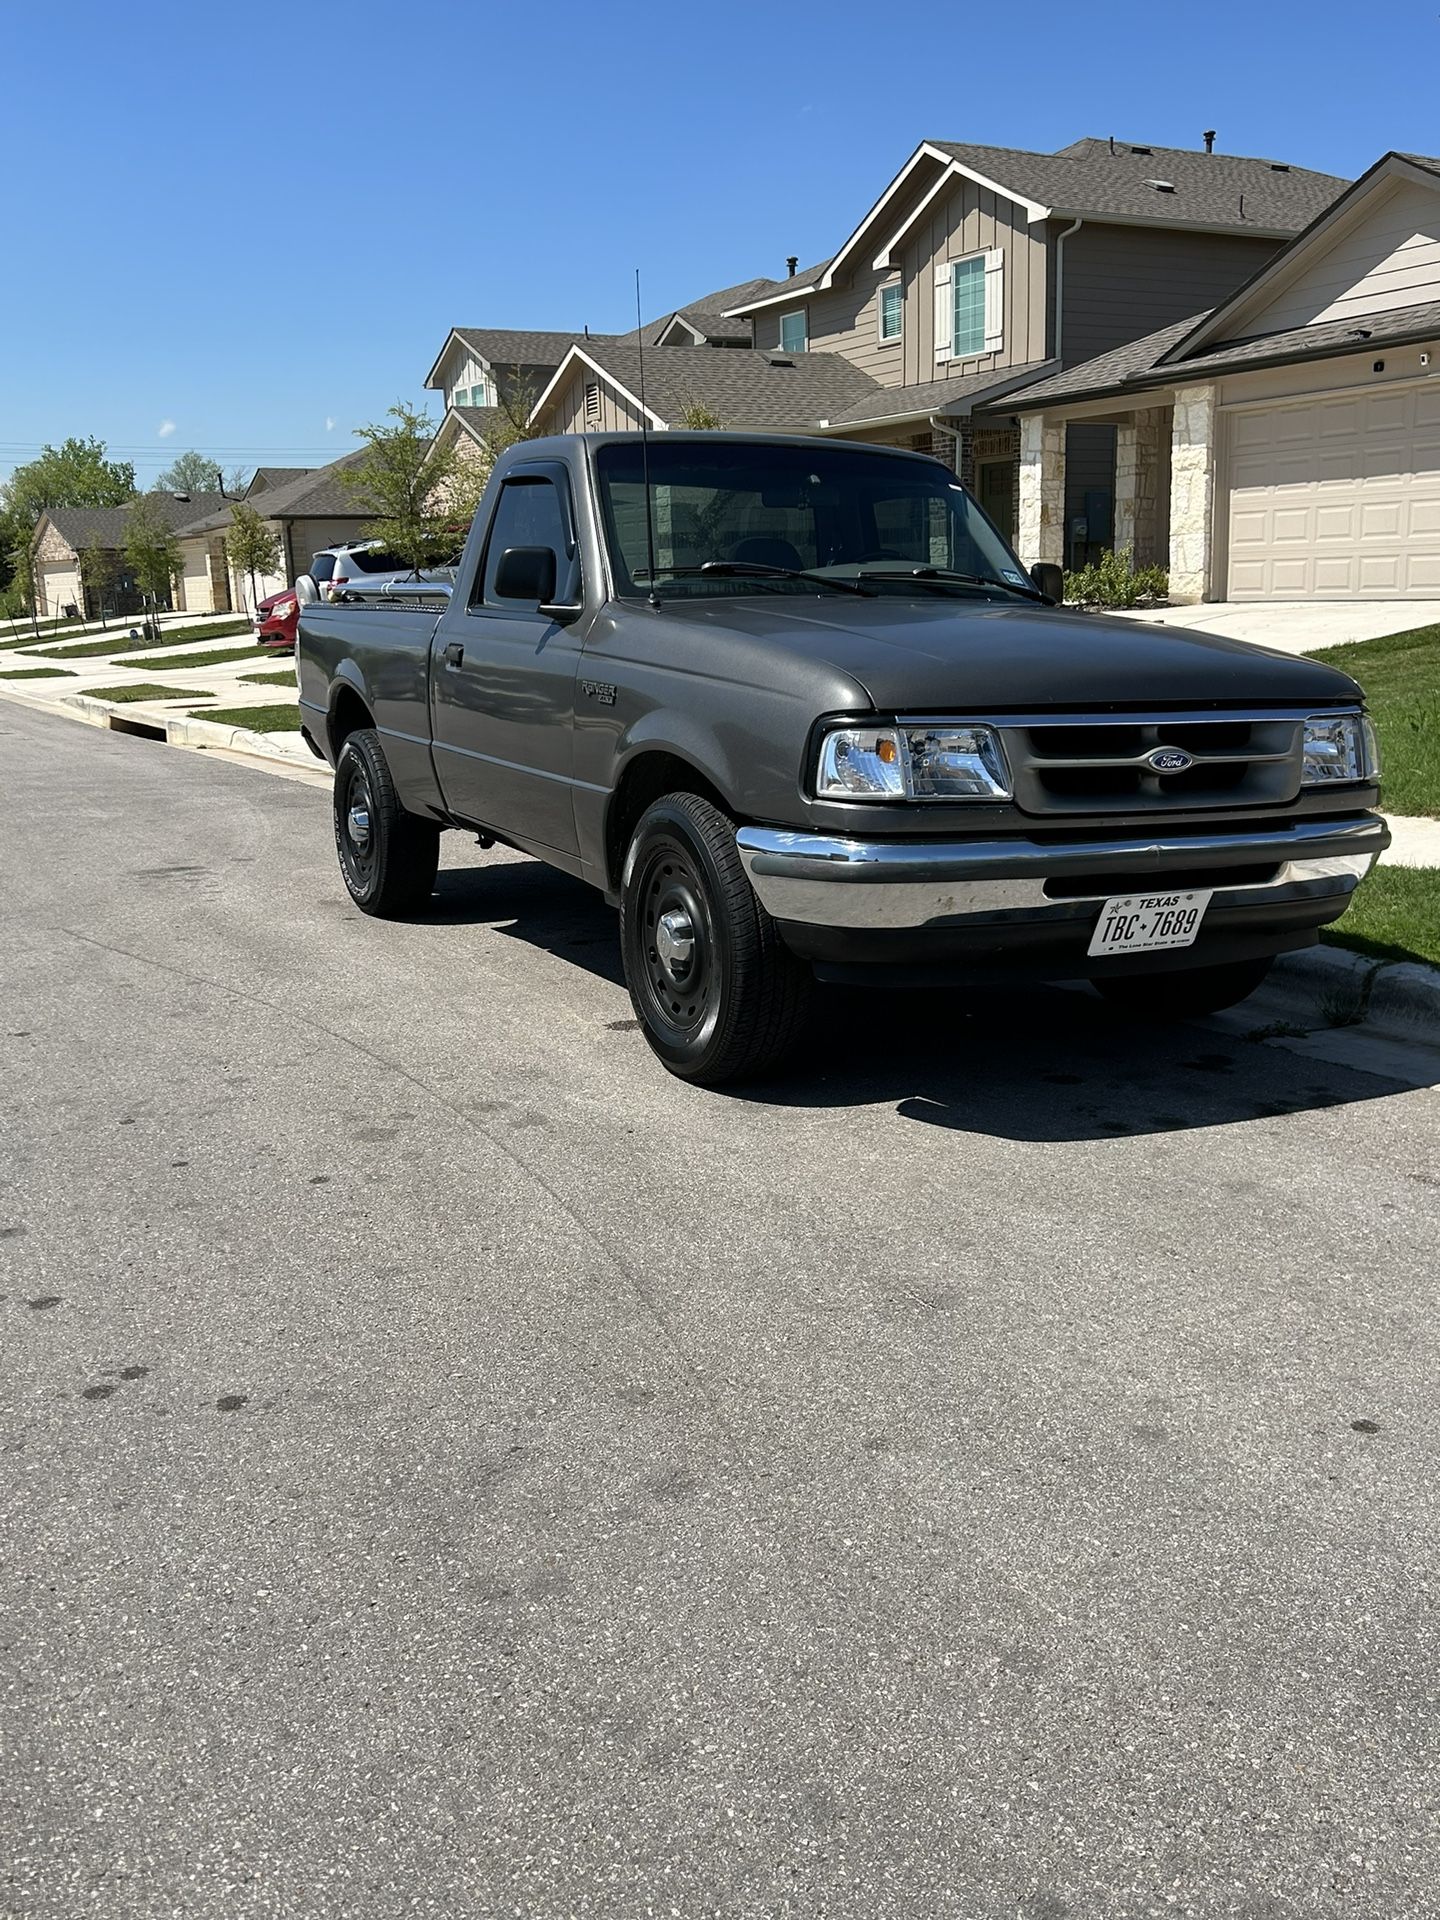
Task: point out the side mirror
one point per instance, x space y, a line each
1050 580
526 573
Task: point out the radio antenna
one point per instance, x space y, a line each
645 446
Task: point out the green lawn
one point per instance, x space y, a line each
118 641
1401 677
286 679
143 690
174 662
36 673
284 719
1395 916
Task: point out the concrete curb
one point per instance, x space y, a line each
183 731
1326 987
179 730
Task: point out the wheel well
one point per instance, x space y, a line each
645 779
348 714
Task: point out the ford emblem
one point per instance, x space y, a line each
1169 760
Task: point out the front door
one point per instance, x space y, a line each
995 486
503 682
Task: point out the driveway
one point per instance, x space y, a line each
453 1469
1298 626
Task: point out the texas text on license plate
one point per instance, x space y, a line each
1145 922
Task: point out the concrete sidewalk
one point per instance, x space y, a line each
1296 626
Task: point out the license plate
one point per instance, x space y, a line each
1146 922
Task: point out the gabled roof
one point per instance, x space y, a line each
509 347
264 478
1101 179
706 318
85 526
313 492
745 388
1160 359
1313 238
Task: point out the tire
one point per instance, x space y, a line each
718 995
388 858
1186 995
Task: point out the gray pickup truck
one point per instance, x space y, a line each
796 708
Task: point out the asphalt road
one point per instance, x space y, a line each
451 1468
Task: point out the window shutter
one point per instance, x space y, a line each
944 311
592 403
994 299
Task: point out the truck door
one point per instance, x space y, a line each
503 677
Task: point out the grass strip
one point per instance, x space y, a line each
286 679
177 662
1395 915
36 673
1400 673
119 641
143 690
284 719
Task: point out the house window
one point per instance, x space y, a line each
892 311
794 334
968 308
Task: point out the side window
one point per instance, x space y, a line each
527 514
322 566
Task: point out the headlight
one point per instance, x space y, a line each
912 763
1339 747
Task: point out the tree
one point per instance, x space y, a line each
700 418
418 499
197 473
151 550
74 474
97 573
251 547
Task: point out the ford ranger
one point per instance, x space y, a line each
796 708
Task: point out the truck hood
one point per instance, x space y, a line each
953 655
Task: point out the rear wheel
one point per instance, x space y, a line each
387 856
1185 995
718 995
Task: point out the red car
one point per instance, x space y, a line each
277 619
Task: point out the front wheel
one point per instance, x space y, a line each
1186 995
718 995
387 856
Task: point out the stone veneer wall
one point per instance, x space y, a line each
1040 506
1142 487
1192 493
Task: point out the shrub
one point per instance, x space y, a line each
1111 581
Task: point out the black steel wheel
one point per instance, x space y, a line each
388 858
718 995
1188 994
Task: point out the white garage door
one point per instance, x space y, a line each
1337 499
197 580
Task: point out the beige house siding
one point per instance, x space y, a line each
1388 256
460 368
565 412
965 219
1321 376
1122 282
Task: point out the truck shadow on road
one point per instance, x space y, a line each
1034 1063
1052 1064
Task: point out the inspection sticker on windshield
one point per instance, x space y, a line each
1145 922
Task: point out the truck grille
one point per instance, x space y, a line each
1108 766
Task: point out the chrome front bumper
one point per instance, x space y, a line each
813 879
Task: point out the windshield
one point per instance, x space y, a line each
841 511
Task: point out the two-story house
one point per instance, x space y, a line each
977 271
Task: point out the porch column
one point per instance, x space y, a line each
1040 515
1142 485
1192 494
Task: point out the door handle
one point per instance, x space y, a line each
454 654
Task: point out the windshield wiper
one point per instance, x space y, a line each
749 569
942 577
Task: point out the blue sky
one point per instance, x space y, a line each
247 229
